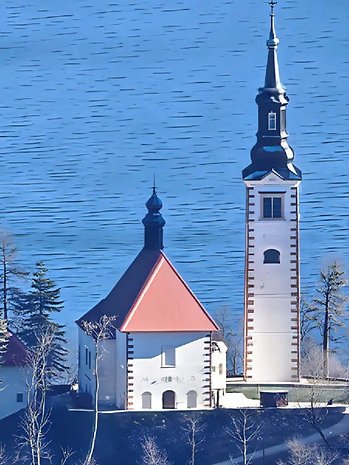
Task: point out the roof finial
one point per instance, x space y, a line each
273 41
154 184
272 3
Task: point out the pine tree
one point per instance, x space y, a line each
330 307
36 309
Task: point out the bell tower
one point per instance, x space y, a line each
272 289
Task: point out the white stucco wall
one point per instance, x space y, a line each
12 382
111 368
191 371
86 377
219 365
272 290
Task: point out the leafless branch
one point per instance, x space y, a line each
193 427
245 431
152 455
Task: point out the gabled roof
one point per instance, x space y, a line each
16 352
151 296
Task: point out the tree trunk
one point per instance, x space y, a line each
325 342
89 455
5 286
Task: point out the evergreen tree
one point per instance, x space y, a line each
36 309
329 307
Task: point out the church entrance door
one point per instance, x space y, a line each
169 400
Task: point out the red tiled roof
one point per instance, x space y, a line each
152 296
16 352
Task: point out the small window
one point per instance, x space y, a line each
271 121
221 368
19 397
192 399
89 359
271 207
168 356
86 356
271 256
213 369
146 400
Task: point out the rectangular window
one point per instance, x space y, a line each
168 356
271 121
86 356
272 207
221 368
89 360
19 397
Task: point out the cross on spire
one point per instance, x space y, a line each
272 4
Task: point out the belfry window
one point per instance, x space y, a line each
271 256
272 121
271 207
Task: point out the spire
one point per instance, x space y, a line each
153 222
272 75
272 151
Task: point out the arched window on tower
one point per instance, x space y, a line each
271 121
271 256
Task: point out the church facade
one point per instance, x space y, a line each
272 287
160 349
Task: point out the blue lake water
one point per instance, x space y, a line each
97 96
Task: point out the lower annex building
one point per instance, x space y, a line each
161 351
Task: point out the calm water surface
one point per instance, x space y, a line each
97 96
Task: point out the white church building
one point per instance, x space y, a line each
161 350
272 290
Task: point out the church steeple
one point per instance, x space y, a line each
272 151
153 223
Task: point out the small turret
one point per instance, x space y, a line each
153 223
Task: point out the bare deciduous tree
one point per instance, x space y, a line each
308 454
98 331
329 306
3 338
9 269
152 454
36 419
193 429
245 432
232 337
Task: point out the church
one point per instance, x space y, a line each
165 351
162 343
